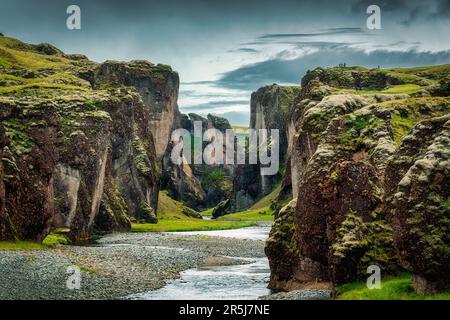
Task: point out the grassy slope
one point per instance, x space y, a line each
171 218
410 78
14 53
392 288
260 211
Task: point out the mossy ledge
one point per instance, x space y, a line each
78 141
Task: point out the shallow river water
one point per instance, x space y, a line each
238 282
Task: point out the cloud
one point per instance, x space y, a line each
442 10
325 32
385 5
216 104
252 76
245 50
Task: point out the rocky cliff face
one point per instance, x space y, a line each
158 87
180 180
355 165
198 185
81 152
418 203
268 110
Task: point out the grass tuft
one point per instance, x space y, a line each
392 288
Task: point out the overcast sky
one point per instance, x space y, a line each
224 50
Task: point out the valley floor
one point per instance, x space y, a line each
117 266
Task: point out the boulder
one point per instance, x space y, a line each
419 182
221 209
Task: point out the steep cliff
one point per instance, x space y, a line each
158 87
81 152
268 110
179 180
350 155
198 185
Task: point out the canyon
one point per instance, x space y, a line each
364 176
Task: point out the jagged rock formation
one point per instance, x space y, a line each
362 182
198 185
158 87
81 152
3 144
268 110
281 248
418 185
179 180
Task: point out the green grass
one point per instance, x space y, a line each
403 88
21 245
267 200
398 89
17 53
250 215
173 225
430 72
169 208
418 110
207 212
52 240
392 288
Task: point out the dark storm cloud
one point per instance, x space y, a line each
290 71
429 12
245 50
386 5
416 14
442 10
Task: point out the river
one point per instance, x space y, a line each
237 282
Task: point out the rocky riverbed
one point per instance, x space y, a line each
119 265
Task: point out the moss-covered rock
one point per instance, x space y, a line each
81 140
350 155
419 203
281 248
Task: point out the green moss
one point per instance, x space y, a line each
140 157
268 200
217 180
350 236
392 288
53 240
23 55
408 112
17 132
287 96
169 208
403 88
359 128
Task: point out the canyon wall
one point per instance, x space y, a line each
80 152
200 186
268 110
370 177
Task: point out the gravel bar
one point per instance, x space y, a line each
118 265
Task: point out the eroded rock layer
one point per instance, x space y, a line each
80 151
370 174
